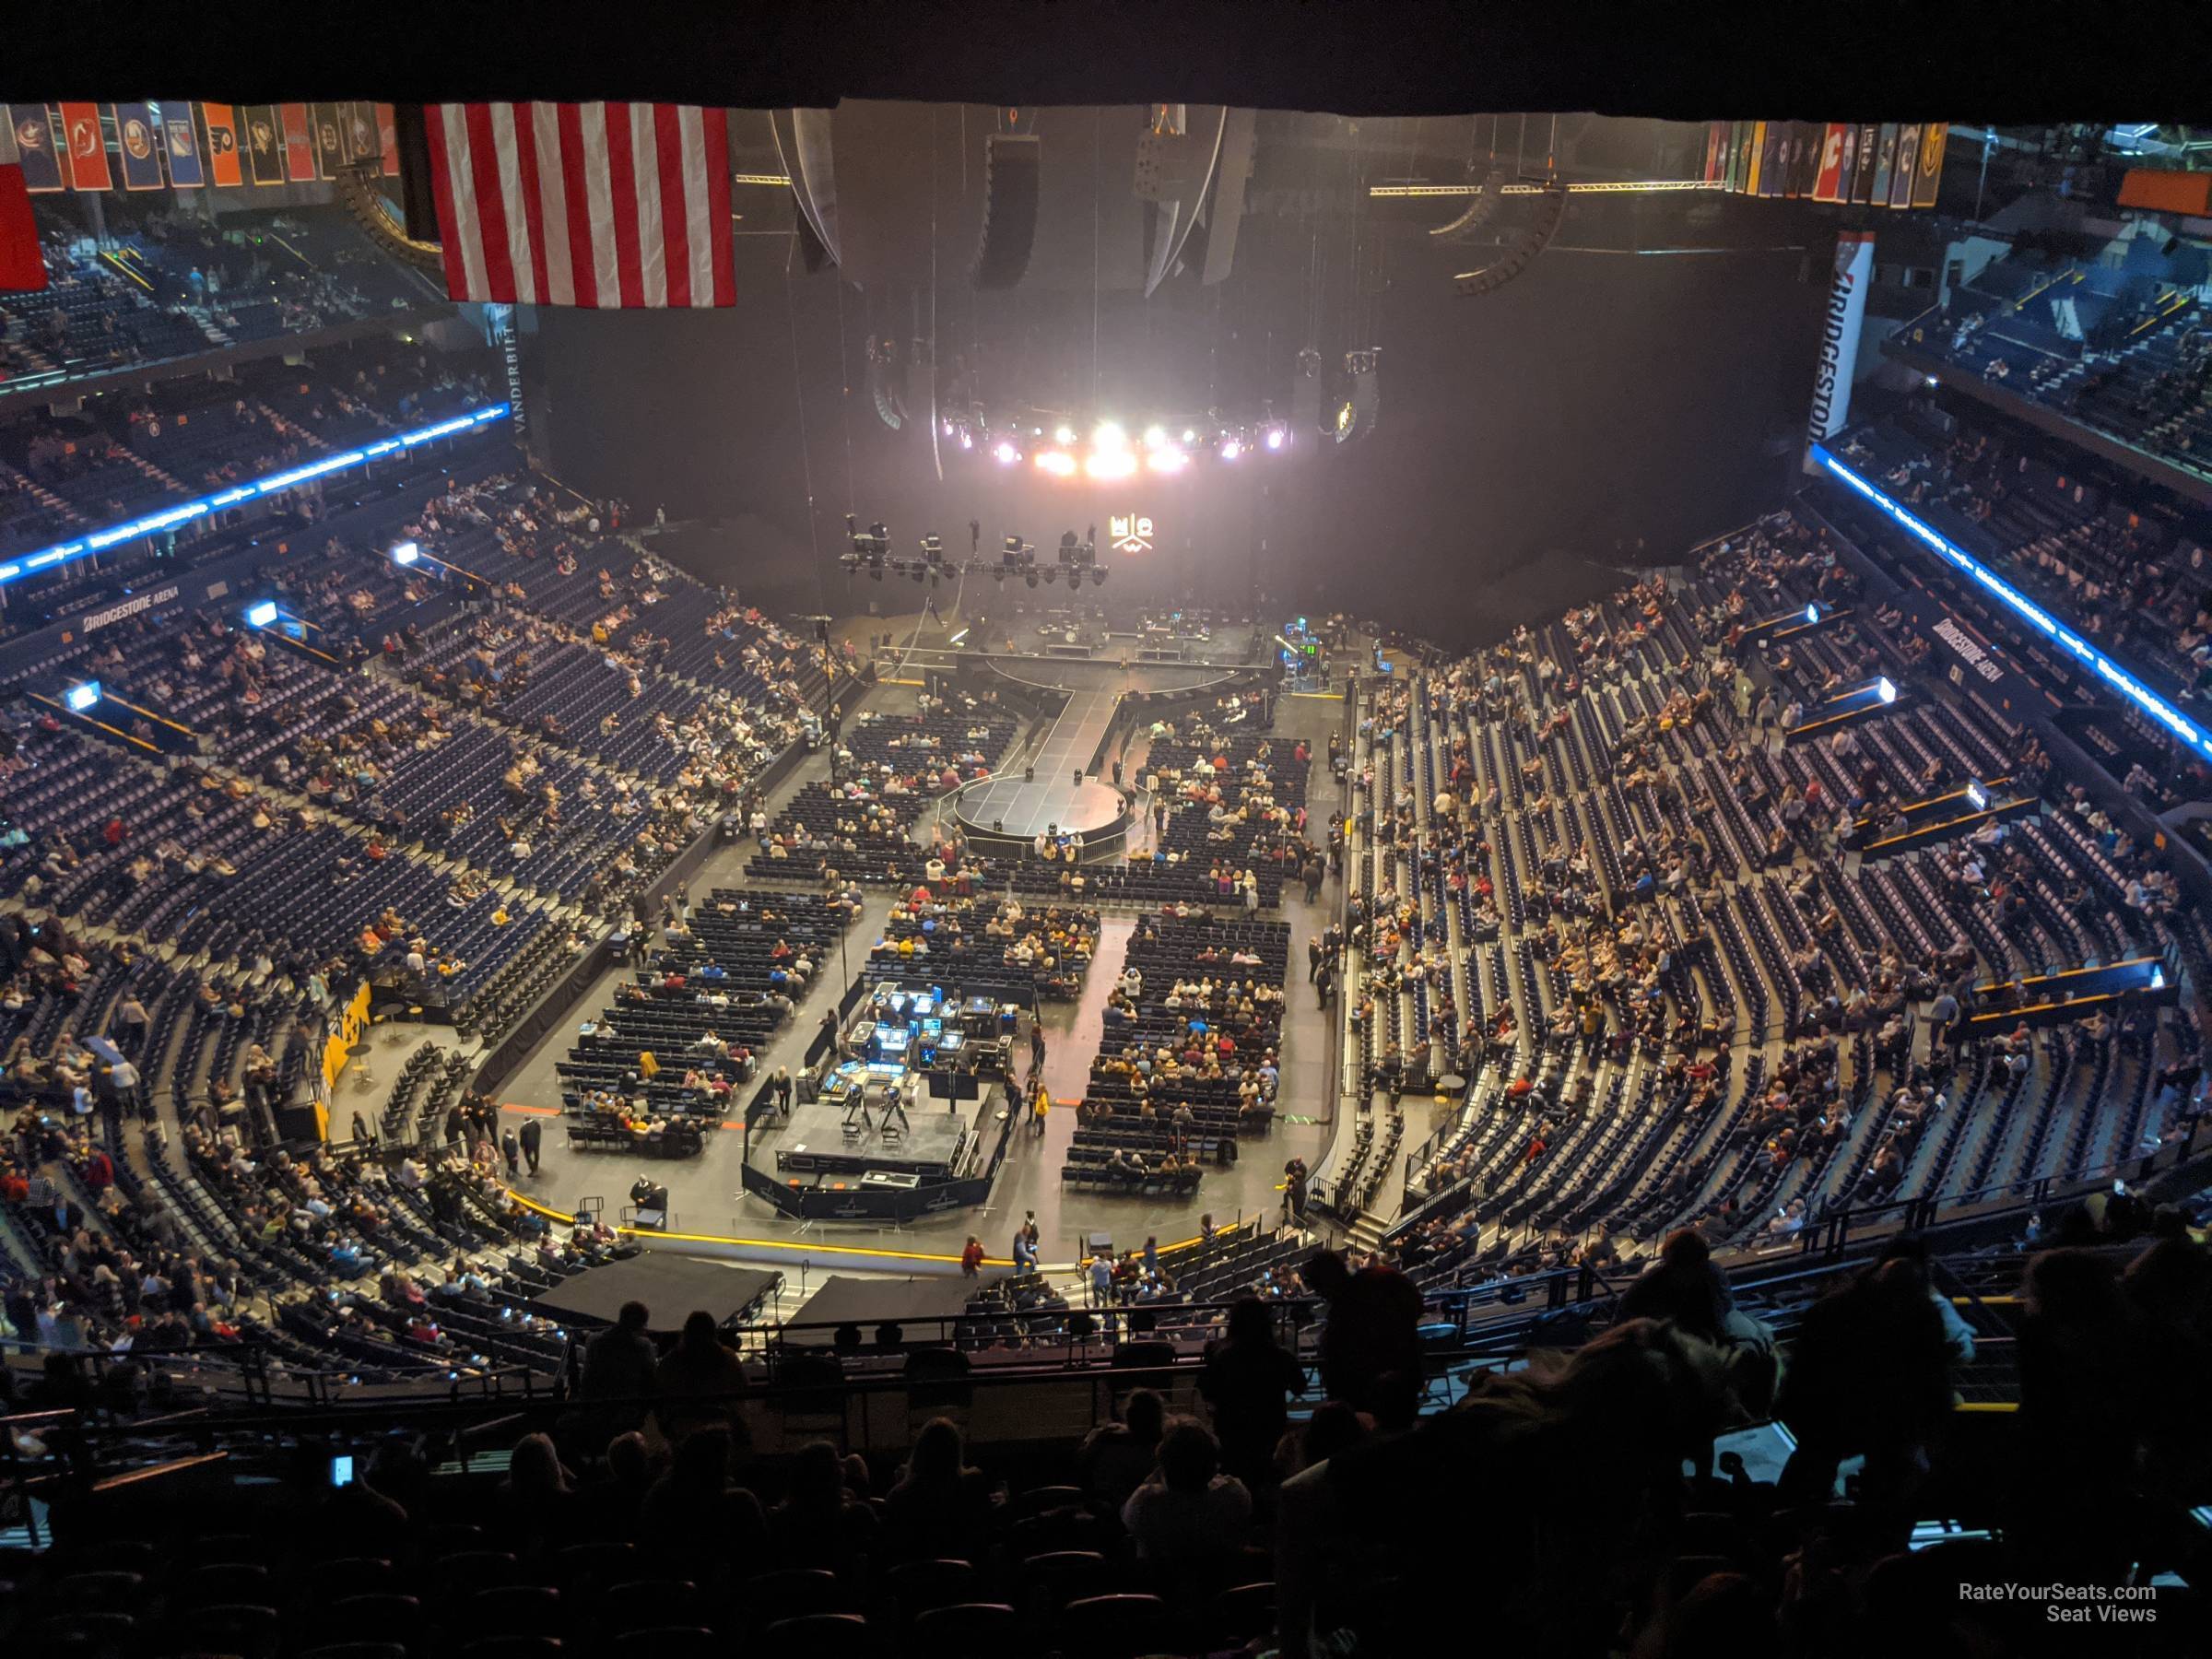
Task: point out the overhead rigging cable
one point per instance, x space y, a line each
798 388
845 380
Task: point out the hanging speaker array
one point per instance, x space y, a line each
1010 192
1514 256
1480 206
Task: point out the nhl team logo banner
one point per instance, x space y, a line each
1927 182
360 131
84 149
265 143
330 139
298 144
181 142
1848 175
1885 159
1908 166
1716 143
32 127
134 138
1827 187
1862 186
387 139
221 121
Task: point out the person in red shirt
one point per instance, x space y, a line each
113 834
971 1258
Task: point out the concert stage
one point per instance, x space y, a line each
817 1141
871 1301
1011 810
670 1284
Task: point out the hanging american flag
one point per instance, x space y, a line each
602 205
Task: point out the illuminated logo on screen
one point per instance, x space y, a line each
1129 534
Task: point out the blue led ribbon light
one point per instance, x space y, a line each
2185 730
183 512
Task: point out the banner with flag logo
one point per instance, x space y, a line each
1907 162
30 127
265 143
298 144
22 266
1831 162
181 140
387 138
600 205
330 151
1928 180
221 121
135 139
84 149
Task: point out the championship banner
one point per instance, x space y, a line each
86 151
1885 158
265 143
134 138
1757 155
181 141
1846 319
32 127
1740 179
1928 181
298 144
1809 157
1827 186
221 121
330 140
1770 160
1907 168
387 138
1716 136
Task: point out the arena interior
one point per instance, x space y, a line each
776 877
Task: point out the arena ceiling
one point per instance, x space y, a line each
1877 59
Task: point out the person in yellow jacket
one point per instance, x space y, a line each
648 1067
1037 1107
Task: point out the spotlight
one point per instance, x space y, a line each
1230 449
1189 435
80 698
1006 453
262 615
967 440
1063 434
1108 435
1110 463
1155 436
1167 460
1276 438
406 553
948 428
1059 462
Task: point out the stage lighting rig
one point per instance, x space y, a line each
1016 558
871 548
1078 558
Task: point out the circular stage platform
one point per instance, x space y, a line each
1010 812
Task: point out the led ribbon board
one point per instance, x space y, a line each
2185 730
99 541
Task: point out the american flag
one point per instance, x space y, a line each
601 205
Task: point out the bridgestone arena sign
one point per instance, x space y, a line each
129 607
1839 334
1970 649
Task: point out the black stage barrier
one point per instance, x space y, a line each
671 1286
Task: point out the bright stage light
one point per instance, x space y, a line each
1110 463
1007 454
1063 434
1109 436
1059 462
80 698
1276 438
1166 460
1190 435
967 441
948 428
1155 437
406 553
1885 690
1812 613
262 615
1230 449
